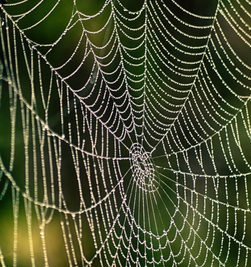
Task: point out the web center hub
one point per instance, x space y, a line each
143 169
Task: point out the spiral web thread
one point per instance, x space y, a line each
125 133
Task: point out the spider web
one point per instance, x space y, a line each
125 133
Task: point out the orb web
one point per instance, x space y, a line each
125 133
